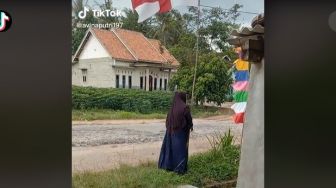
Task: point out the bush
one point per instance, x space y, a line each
120 99
145 107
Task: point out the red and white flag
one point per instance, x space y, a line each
147 8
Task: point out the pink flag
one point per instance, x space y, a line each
240 86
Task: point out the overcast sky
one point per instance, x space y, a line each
256 6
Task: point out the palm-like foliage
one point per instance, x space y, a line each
168 27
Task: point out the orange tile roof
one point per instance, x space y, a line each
133 46
113 45
164 52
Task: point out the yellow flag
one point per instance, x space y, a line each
241 64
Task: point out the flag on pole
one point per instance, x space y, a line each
147 8
240 87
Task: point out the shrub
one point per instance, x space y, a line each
145 107
120 99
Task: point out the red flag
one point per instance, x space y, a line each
147 8
239 118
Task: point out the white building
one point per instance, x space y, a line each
119 58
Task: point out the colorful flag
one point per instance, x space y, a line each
241 65
240 88
147 8
240 85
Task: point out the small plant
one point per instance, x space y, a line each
220 142
223 145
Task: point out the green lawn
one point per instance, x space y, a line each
104 114
217 165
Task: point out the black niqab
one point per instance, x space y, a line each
176 116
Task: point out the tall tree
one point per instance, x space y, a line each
130 22
168 27
213 79
107 5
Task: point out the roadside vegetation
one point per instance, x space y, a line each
106 114
215 166
130 100
90 103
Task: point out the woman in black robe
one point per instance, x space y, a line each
174 150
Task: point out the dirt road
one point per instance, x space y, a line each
102 145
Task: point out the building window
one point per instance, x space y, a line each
84 74
117 81
141 82
129 82
155 82
123 81
160 83
165 84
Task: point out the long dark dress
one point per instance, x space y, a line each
174 150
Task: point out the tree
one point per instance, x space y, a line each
184 50
217 25
212 80
130 22
106 5
168 27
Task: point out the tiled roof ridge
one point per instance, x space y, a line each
155 48
130 31
171 57
123 42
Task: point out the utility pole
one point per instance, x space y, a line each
196 60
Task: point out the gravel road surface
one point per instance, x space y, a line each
102 145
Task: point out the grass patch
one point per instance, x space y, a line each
103 114
217 165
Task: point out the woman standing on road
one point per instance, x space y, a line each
174 150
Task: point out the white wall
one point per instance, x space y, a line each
137 72
93 49
101 72
76 75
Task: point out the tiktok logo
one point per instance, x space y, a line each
82 14
5 21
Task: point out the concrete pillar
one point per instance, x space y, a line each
251 166
169 75
147 79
